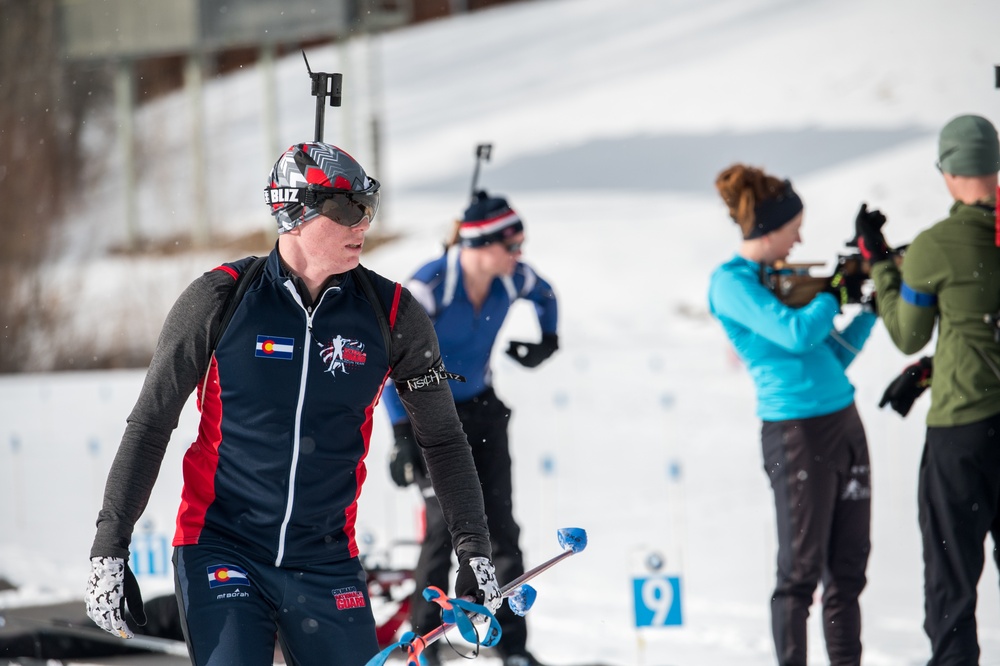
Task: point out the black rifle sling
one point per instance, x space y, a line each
360 274
236 295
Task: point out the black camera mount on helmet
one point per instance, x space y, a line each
324 84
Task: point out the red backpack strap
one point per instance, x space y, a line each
394 310
228 269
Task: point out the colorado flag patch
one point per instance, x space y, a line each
269 346
226 574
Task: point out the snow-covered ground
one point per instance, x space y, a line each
609 122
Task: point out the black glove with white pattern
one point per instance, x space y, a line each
111 586
477 579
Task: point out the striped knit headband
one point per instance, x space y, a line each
488 220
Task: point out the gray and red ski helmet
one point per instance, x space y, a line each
313 163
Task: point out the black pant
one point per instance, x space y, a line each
958 495
232 607
819 471
484 419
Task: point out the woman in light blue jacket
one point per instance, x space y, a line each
814 446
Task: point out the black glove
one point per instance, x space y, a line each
906 388
133 597
846 288
406 458
871 242
477 579
837 287
530 354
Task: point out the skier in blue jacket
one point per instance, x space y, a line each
467 293
814 446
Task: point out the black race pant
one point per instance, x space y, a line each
484 419
819 471
232 608
958 496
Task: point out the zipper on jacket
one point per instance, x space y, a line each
296 444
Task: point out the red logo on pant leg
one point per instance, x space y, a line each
348 597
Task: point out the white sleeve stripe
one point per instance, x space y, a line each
451 276
530 279
508 283
423 294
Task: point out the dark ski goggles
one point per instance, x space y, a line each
345 207
513 248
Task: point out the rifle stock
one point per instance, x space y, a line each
795 285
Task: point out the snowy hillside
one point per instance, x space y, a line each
609 122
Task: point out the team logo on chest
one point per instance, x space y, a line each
343 354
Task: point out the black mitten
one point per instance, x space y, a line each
531 354
406 459
908 386
871 242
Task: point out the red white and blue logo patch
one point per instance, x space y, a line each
270 346
226 574
343 354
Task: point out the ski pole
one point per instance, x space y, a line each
573 549
520 597
571 539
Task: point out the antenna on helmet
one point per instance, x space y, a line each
324 84
482 155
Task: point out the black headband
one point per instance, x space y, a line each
773 214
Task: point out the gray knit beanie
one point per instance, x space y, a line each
968 146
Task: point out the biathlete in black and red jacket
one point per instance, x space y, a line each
265 542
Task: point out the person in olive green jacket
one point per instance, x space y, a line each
950 275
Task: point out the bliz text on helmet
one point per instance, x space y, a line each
276 195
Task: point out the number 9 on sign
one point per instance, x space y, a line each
657 601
